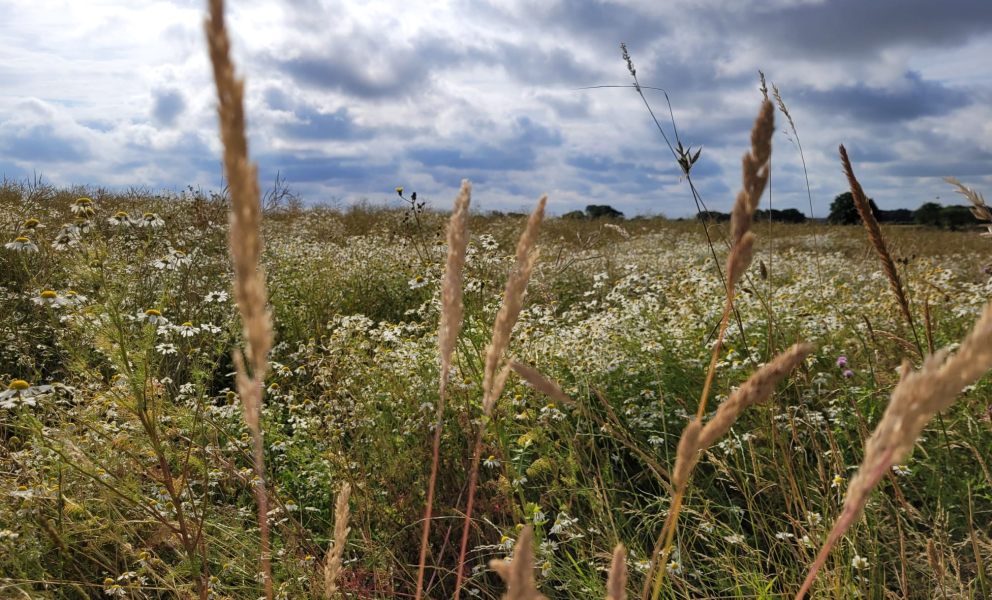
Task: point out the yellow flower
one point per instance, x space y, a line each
48 295
399 191
151 312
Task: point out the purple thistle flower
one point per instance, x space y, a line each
849 373
842 362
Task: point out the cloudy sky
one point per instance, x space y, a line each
351 99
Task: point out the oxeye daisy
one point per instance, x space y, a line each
149 220
120 218
22 244
32 224
187 330
21 392
492 462
153 316
67 237
418 282
49 298
83 207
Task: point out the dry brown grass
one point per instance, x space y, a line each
493 382
332 568
878 242
448 330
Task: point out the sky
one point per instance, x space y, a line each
347 100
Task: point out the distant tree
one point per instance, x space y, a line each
928 214
956 217
575 214
596 211
719 217
843 211
789 215
899 215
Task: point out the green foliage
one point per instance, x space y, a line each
844 212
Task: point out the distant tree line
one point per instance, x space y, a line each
789 215
842 212
930 214
595 211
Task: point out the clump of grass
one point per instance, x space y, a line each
918 397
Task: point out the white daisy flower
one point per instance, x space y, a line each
22 244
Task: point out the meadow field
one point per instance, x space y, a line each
133 315
239 395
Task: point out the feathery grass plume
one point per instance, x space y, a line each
541 383
513 301
332 568
449 328
519 573
697 437
933 559
878 241
755 171
917 397
493 382
979 209
616 582
246 250
754 177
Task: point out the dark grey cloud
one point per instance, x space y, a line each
315 125
277 99
567 108
167 105
189 153
517 152
917 98
367 64
938 167
330 170
851 28
41 144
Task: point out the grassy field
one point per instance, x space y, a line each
202 399
135 469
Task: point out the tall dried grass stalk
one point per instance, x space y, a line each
246 250
616 582
513 301
519 573
878 241
493 382
698 437
979 209
754 176
918 396
332 568
755 171
449 328
542 384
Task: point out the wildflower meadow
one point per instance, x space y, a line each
239 395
